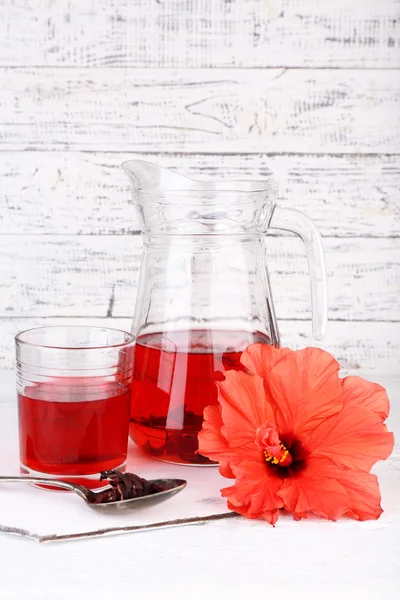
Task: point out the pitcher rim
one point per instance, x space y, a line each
269 184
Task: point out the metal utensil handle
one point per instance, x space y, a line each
73 487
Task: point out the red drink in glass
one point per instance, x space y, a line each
72 426
74 387
174 380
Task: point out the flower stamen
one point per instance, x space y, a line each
275 452
282 458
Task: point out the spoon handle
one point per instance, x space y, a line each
73 487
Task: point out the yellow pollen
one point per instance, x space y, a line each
284 456
273 459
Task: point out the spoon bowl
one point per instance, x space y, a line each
174 486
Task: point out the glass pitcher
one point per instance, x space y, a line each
204 296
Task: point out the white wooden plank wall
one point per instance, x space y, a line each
307 91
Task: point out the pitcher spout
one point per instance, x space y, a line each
151 179
169 203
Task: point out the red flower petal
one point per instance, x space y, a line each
254 494
211 441
360 392
305 390
363 491
261 358
315 490
355 438
329 491
225 469
244 410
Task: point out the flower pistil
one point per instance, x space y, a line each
283 458
275 452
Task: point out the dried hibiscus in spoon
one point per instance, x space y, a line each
125 486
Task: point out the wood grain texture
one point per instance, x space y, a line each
200 33
369 347
88 193
194 110
86 275
75 77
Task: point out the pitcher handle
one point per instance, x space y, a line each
290 219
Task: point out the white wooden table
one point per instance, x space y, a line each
234 558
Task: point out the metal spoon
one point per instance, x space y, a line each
174 487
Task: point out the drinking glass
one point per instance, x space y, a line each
74 386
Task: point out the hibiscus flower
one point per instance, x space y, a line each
297 437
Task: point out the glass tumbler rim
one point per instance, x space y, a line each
19 337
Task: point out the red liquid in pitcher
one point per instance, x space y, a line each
174 380
73 426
